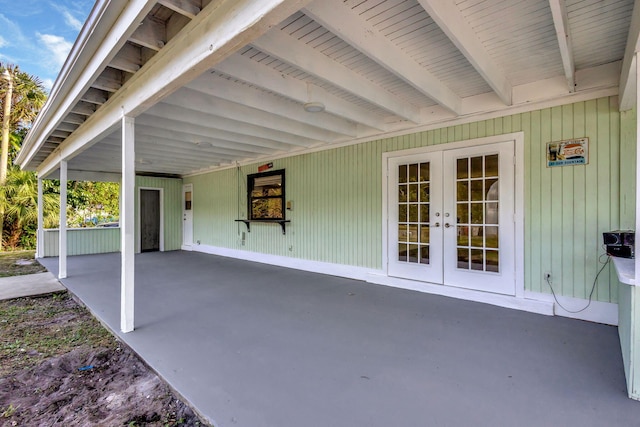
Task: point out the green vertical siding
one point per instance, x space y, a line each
172 209
83 241
337 198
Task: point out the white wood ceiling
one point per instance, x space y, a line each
377 65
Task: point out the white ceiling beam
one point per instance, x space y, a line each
254 98
110 80
95 96
151 33
628 84
60 134
84 108
177 150
217 32
203 132
252 72
128 59
446 14
361 35
193 100
74 118
67 127
188 8
288 49
152 131
561 23
163 110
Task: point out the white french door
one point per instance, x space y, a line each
451 217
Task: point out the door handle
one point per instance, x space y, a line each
447 225
437 224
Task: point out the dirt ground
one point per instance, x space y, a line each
17 263
59 366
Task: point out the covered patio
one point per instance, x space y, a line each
251 344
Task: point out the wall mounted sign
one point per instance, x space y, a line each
265 167
569 152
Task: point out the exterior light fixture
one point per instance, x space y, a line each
312 106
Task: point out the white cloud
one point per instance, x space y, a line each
3 42
71 20
48 84
57 47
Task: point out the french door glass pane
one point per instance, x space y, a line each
413 212
477 194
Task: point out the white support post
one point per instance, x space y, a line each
40 232
127 225
62 234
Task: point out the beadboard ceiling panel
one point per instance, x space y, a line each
375 66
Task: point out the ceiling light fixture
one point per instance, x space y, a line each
312 106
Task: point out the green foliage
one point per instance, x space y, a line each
88 203
19 202
27 99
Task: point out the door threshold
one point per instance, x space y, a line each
506 301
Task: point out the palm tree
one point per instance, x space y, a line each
22 95
19 201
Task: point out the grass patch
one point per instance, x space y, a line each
15 264
34 329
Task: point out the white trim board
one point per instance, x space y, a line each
533 302
599 312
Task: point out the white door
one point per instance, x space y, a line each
415 217
451 217
187 216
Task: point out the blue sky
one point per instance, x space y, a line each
38 34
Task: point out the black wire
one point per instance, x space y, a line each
593 288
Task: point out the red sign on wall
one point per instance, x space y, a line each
264 167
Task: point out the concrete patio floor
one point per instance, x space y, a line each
256 345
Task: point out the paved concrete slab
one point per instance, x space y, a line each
256 345
29 285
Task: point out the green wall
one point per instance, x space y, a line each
172 209
83 241
100 240
337 199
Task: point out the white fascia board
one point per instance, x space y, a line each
628 86
217 32
107 29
